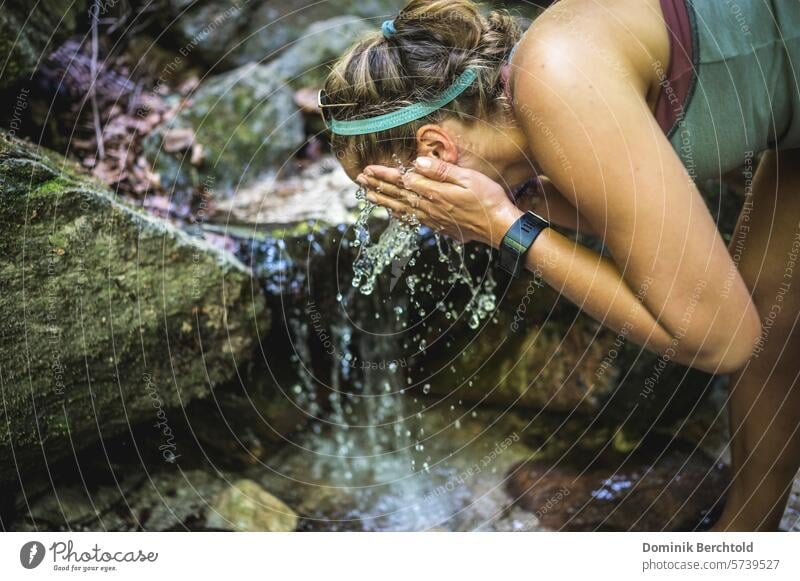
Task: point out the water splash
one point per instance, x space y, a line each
398 246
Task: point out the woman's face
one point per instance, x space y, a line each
498 151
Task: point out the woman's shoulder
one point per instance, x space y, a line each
613 38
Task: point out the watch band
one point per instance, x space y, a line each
519 238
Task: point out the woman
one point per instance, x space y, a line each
622 105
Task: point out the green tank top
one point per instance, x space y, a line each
733 84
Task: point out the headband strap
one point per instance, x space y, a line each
408 113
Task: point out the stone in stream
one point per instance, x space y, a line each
670 486
170 500
111 317
138 500
245 506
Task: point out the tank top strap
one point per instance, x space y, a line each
505 73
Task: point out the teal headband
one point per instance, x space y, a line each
408 113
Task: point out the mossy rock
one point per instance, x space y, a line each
109 315
247 124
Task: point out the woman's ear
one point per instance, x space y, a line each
434 141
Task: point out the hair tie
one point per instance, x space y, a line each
388 28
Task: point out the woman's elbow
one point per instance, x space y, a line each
732 354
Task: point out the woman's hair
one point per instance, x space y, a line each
435 40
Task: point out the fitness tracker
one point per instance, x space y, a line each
518 240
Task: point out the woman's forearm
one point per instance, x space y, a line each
595 284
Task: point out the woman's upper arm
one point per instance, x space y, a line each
593 134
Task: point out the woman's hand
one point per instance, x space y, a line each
459 202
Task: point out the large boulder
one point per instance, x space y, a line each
29 32
246 123
110 317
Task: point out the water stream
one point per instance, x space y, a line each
379 446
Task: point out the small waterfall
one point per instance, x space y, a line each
366 441
372 457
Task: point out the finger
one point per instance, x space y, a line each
441 171
384 173
388 202
399 207
410 197
382 186
428 188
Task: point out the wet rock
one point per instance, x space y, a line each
549 362
240 426
164 501
321 192
245 506
108 313
247 124
29 32
664 486
196 499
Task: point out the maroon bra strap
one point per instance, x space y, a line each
676 81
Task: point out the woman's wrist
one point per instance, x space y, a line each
504 218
